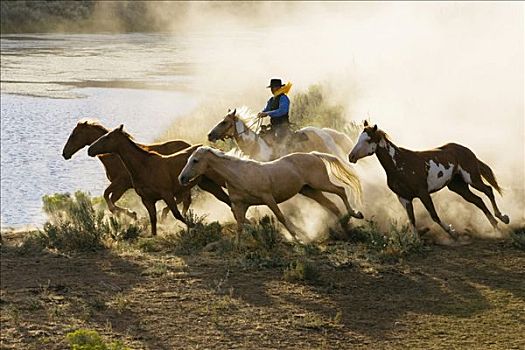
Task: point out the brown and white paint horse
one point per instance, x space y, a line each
412 174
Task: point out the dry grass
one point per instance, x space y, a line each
463 297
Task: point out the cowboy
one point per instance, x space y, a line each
277 108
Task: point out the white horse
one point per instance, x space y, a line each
236 126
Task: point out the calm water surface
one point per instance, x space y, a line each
49 82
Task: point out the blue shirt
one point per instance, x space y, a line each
284 106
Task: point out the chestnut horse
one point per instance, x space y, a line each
250 182
412 174
234 125
155 176
87 132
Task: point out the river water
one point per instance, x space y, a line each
49 82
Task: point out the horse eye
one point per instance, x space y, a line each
222 123
195 161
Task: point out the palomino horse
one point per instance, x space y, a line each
413 174
154 176
87 132
251 182
250 143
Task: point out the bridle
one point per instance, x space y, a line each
245 129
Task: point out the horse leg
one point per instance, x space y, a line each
429 205
272 204
339 191
460 187
239 213
216 190
172 204
112 194
152 211
479 185
186 202
407 204
320 198
107 192
164 213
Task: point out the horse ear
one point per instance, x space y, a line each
366 122
375 127
234 111
121 127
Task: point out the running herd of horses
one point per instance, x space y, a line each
271 174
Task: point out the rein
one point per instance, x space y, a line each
246 128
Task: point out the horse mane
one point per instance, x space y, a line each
247 116
233 154
138 145
94 123
385 136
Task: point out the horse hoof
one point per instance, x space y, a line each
452 232
358 215
505 219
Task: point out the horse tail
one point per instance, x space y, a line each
487 174
341 171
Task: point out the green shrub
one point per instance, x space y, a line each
192 239
517 236
149 244
265 232
33 242
122 230
394 244
401 242
75 225
301 270
86 339
369 234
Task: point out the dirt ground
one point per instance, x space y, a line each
467 297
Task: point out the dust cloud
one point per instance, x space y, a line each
426 73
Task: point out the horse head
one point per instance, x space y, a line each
224 129
367 143
84 134
196 164
108 142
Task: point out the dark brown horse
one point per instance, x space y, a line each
87 132
413 174
154 176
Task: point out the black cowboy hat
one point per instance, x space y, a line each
275 83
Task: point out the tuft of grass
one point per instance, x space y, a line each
194 238
264 232
148 244
120 229
33 242
395 244
301 270
402 242
517 236
86 339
